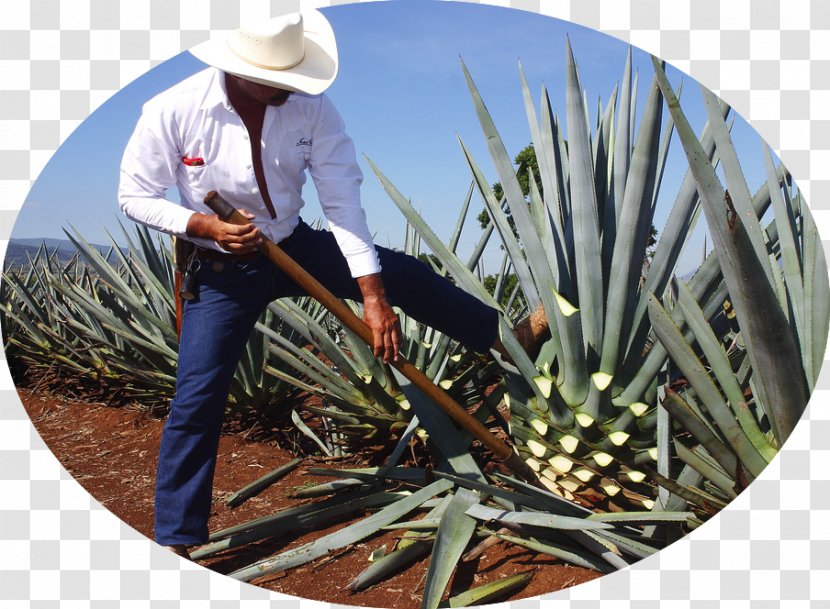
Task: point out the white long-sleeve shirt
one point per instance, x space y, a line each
190 136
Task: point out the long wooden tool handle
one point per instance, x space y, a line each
314 288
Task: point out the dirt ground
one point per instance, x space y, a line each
112 453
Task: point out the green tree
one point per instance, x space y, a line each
526 159
510 282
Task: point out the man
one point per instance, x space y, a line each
250 127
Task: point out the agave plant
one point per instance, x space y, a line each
356 406
363 403
110 317
777 281
562 415
585 413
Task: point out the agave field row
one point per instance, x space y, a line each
653 403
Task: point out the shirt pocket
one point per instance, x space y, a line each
193 175
196 155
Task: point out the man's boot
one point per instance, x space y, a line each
531 332
179 550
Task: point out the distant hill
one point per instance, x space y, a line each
20 251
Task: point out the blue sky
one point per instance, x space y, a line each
402 94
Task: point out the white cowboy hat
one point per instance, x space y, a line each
296 52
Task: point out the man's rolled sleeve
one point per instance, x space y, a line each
337 177
148 170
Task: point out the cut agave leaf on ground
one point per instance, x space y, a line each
544 500
308 433
496 492
292 519
575 557
371 474
550 521
442 431
625 544
492 591
391 563
597 545
641 517
326 488
342 538
260 484
424 524
408 551
453 535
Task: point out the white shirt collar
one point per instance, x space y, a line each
217 93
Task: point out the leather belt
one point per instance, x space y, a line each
203 253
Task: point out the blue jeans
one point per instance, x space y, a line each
217 324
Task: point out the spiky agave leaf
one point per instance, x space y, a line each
635 214
718 361
709 290
816 296
261 483
453 534
586 230
771 345
672 240
346 536
571 555
290 519
705 387
552 521
111 316
491 591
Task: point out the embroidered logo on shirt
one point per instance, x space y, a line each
193 161
304 142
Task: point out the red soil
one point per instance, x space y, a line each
112 453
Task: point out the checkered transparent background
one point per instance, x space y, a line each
59 60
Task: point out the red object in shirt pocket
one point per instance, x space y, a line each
194 161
